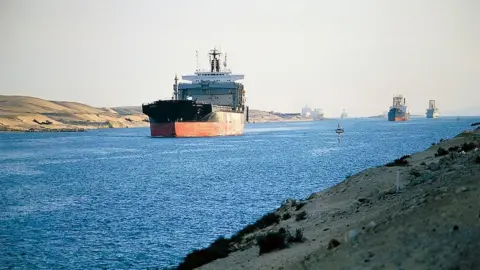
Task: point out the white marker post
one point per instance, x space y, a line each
398 181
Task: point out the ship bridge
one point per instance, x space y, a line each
218 85
216 74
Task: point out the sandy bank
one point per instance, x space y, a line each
21 113
257 116
433 222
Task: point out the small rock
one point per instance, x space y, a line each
333 244
461 189
351 235
425 176
433 166
454 155
363 200
326 229
288 203
372 225
455 228
443 190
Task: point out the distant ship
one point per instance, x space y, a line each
344 114
316 114
210 103
398 110
306 111
432 111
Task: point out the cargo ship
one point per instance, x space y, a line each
398 110
206 104
432 111
315 114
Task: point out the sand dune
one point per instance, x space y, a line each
25 113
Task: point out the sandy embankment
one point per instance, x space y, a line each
257 116
433 222
19 113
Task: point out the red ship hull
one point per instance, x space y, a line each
194 129
399 119
184 118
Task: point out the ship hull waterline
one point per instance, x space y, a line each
194 129
433 114
189 119
217 124
397 116
398 119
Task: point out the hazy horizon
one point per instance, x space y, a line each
332 55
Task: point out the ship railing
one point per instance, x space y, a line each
206 71
221 107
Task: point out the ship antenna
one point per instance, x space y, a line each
217 61
198 66
225 61
212 63
175 91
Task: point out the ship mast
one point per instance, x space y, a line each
175 91
214 60
198 65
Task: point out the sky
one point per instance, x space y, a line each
334 54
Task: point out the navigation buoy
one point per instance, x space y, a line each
339 131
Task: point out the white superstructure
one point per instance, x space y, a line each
218 86
216 74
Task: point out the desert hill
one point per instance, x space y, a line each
128 110
24 113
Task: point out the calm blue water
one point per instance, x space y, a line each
119 199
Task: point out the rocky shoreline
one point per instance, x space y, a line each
57 130
6 129
421 211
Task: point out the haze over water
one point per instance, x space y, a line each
119 199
